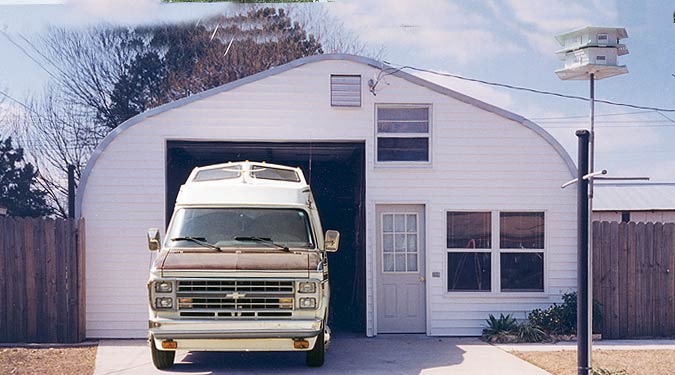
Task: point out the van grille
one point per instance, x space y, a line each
235 298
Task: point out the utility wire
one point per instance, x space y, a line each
384 72
9 38
597 115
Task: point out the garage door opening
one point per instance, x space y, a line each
336 174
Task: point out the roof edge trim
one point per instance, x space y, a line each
294 64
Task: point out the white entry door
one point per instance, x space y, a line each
401 302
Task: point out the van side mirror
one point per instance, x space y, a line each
154 242
331 240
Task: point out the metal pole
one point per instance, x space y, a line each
583 347
591 169
71 191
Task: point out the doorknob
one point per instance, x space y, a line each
422 279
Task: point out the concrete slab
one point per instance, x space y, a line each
660 344
385 354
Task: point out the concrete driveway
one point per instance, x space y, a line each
385 354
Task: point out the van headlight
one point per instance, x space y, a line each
307 287
163 287
308 303
164 302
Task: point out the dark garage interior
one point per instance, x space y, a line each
336 174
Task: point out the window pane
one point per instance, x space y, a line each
400 243
399 223
402 149
412 223
388 262
402 113
399 265
522 272
521 230
219 174
412 262
269 173
469 271
469 230
388 223
412 243
403 127
388 243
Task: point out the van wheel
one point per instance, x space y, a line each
162 359
316 355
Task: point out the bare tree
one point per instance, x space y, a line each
105 74
56 135
331 32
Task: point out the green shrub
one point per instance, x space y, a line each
497 328
562 319
527 332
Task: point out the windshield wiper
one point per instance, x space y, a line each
264 240
199 241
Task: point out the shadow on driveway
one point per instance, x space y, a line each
385 354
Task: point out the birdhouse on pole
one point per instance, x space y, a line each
592 50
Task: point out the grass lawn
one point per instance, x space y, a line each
633 362
47 361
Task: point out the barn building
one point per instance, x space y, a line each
637 202
450 208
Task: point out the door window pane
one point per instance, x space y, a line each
521 230
399 265
469 230
412 223
522 272
469 271
388 262
412 262
388 244
388 223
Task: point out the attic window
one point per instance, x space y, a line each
345 90
403 133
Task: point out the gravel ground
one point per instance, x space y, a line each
633 362
47 361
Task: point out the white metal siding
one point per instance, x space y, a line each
480 161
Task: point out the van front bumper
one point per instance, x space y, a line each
239 335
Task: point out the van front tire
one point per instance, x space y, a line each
162 359
315 357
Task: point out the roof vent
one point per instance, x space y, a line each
345 90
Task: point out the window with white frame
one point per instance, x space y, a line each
517 248
403 133
469 242
521 247
603 39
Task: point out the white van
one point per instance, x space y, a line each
243 266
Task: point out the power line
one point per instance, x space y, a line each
520 88
597 115
17 45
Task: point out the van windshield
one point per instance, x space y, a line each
234 227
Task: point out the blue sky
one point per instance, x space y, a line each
508 41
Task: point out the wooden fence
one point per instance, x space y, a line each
634 278
41 280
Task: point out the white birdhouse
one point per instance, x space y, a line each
592 50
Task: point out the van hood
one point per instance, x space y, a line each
174 260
